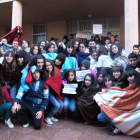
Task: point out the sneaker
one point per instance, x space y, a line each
114 131
54 119
48 121
9 123
26 125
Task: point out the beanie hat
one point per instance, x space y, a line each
86 63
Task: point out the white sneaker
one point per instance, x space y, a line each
26 125
54 119
9 123
48 121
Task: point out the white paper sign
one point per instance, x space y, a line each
81 74
70 88
97 29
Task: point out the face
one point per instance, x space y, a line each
76 45
88 81
97 47
40 63
42 49
19 48
49 67
131 79
43 43
24 44
94 56
116 74
51 49
20 60
133 61
15 44
114 49
108 47
82 48
109 35
100 78
83 67
36 75
107 41
35 50
9 58
4 40
58 62
112 38
71 76
136 50
92 44
108 83
69 50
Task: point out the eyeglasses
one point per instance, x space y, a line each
114 48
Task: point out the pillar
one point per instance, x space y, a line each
131 24
16 14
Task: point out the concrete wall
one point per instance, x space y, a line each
2 31
27 29
56 29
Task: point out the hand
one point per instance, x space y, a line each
61 70
15 108
8 86
39 114
86 51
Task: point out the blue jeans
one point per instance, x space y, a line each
58 105
6 109
102 117
13 91
69 104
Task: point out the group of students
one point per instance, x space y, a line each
32 82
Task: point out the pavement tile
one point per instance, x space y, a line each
120 137
31 137
65 134
3 127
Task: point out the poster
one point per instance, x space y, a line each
97 29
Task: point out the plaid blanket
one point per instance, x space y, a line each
14 35
122 106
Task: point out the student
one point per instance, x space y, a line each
112 39
134 62
126 106
35 50
108 48
118 56
15 46
9 73
35 103
106 42
104 61
119 78
22 59
98 45
85 65
100 78
70 99
25 45
92 44
93 60
5 107
136 51
88 108
76 44
54 81
97 39
81 54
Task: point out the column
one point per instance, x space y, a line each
131 24
16 14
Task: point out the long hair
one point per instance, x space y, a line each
32 48
131 72
12 66
67 75
73 51
54 71
109 78
48 46
1 93
119 53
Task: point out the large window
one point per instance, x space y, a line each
39 33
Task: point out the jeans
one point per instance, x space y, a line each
69 104
13 91
6 109
102 117
58 105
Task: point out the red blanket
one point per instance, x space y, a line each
14 35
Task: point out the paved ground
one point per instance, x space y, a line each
61 130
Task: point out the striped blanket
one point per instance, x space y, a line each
122 106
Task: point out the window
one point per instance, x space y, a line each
39 33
